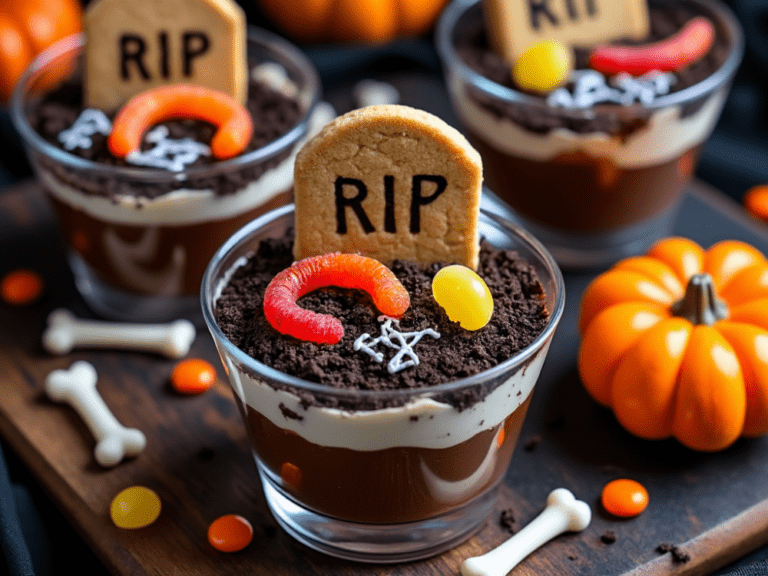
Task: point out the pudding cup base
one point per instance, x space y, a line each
376 543
115 304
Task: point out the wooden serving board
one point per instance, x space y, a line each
714 506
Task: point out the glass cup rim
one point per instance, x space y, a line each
212 277
75 42
456 8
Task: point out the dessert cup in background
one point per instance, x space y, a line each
139 238
375 475
595 182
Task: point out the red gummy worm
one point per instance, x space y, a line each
342 270
685 47
233 122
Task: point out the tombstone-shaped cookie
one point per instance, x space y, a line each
389 182
134 45
515 25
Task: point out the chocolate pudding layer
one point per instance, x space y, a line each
588 194
159 259
393 485
154 235
603 163
363 447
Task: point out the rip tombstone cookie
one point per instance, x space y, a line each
389 182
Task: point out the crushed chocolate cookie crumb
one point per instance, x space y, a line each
474 48
289 414
273 114
678 555
532 443
507 520
519 316
608 537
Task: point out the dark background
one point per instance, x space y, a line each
35 540
734 159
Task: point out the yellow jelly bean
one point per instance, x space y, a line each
464 296
135 507
543 67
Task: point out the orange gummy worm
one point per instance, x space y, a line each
342 270
234 124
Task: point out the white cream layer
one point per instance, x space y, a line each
186 206
423 422
183 206
666 137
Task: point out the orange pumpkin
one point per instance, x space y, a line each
676 342
362 21
28 27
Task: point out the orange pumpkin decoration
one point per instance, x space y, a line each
676 342
362 21
27 28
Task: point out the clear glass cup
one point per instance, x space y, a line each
381 485
591 195
141 256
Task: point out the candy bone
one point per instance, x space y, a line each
563 513
65 332
77 387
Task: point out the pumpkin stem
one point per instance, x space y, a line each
700 304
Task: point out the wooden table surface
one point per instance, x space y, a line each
714 506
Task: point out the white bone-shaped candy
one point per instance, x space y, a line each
65 332
563 513
77 387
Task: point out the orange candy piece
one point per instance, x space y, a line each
230 533
193 376
624 497
342 270
291 474
756 202
234 123
501 436
21 287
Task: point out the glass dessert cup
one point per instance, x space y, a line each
140 256
381 484
591 197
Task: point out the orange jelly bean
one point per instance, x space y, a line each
193 376
756 202
21 287
624 497
230 533
291 474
